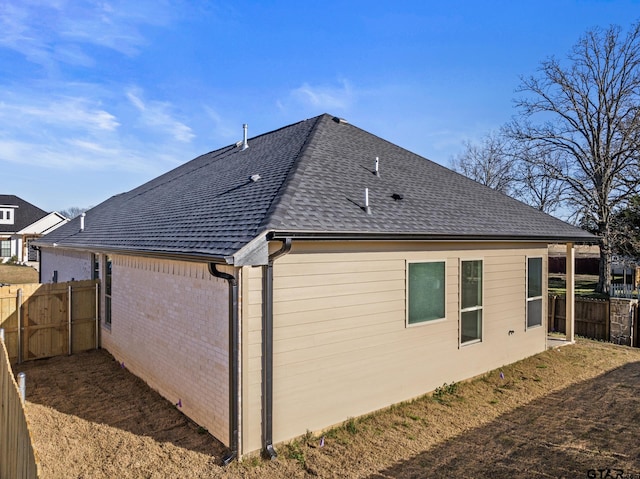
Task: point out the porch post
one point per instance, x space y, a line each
571 296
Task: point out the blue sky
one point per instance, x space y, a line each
97 97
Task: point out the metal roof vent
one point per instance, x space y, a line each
342 121
367 208
254 178
82 221
377 170
245 143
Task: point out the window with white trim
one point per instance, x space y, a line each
425 291
6 216
5 248
534 292
471 301
107 290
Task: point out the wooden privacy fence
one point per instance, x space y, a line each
17 459
592 317
44 320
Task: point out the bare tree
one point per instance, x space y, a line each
533 185
627 229
488 163
587 113
73 211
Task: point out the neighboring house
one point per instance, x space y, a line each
20 224
313 274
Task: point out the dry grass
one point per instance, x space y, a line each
17 274
558 414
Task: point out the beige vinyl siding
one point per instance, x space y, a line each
341 344
251 427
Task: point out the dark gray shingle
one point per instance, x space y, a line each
26 214
313 175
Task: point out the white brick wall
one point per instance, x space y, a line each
170 327
70 265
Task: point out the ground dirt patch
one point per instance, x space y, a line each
561 413
17 274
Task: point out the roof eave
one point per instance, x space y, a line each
169 255
368 236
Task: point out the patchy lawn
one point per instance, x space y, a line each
558 414
585 285
17 274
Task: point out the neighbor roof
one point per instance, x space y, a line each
312 180
25 213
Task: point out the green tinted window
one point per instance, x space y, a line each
426 291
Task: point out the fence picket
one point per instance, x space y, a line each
17 458
37 325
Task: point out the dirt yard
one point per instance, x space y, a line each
563 413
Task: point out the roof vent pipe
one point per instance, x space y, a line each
377 172
82 221
245 143
367 208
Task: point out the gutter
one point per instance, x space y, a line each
398 237
267 351
234 361
168 255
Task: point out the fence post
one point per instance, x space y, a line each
22 386
19 313
69 316
608 321
97 318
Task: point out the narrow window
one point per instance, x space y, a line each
96 266
470 301
426 292
5 248
534 292
107 291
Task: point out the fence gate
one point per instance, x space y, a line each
44 320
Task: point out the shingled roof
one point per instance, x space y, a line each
25 213
312 180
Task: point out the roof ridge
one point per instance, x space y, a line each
281 199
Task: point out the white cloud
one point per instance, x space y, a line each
75 134
221 127
156 115
77 113
322 97
48 32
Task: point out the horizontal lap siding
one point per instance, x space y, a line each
170 328
251 437
341 346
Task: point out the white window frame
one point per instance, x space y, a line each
107 290
429 321
474 308
7 216
534 298
7 240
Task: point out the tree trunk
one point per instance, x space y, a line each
604 266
